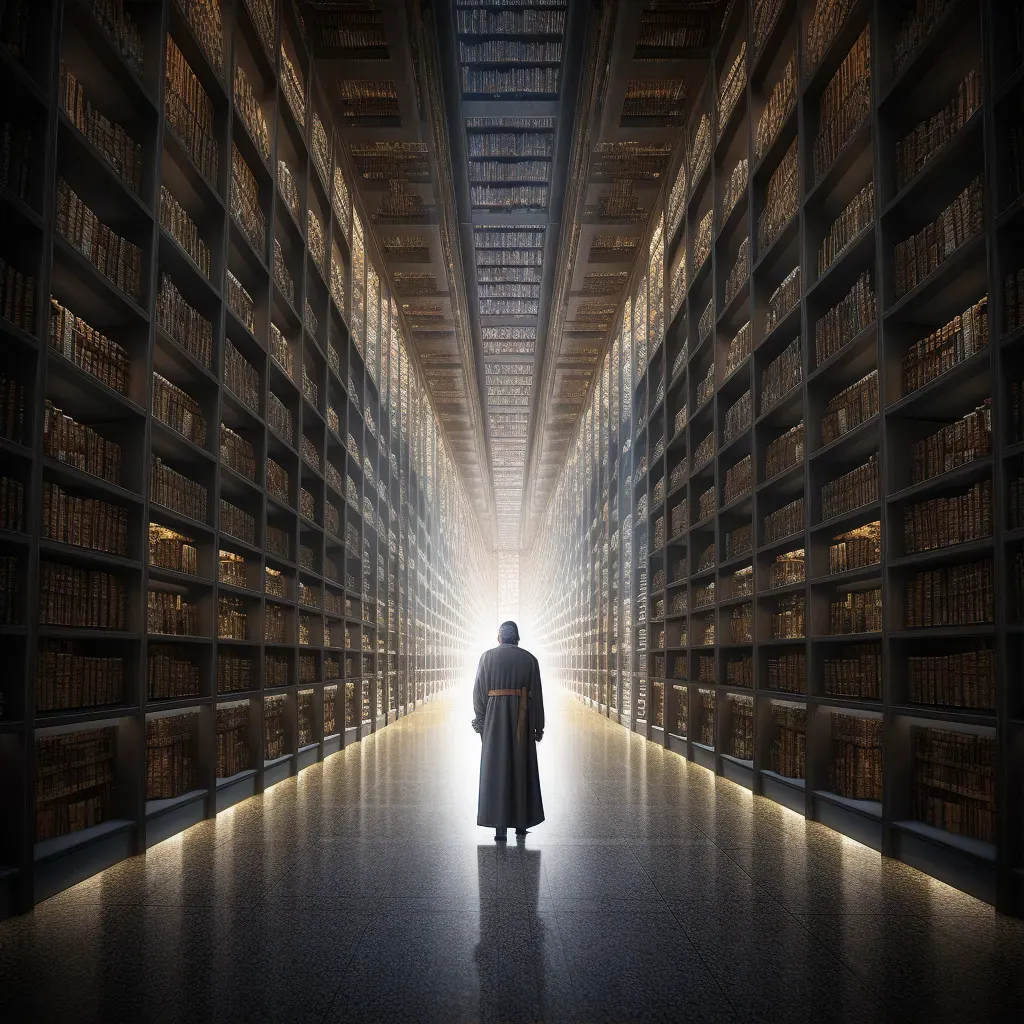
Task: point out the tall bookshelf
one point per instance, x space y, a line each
305 595
810 656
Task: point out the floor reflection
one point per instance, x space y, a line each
365 891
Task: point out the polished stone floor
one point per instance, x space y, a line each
654 892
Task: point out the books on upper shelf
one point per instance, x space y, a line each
265 20
916 148
824 24
780 201
782 301
176 491
251 112
961 679
169 549
245 203
71 677
845 104
78 445
118 147
737 350
123 29
856 612
784 452
288 187
180 226
781 102
527 21
851 407
739 273
189 113
846 319
12 409
282 276
186 325
117 259
956 444
732 87
857 215
856 549
855 670
944 521
81 598
204 16
241 378
788 568
782 374
87 348
957 595
733 189
943 349
917 256
293 86
84 522
178 410
787 671
851 490
240 303
918 24
784 522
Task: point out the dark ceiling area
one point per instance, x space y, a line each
512 156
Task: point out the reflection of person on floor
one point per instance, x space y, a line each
509 708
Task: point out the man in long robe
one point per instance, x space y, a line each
509 708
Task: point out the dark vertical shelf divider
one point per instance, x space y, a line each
325 561
835 623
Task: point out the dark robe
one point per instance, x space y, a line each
509 781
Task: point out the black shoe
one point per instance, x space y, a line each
501 835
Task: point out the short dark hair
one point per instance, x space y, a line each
508 633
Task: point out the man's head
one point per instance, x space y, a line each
508 633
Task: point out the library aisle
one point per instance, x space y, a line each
363 890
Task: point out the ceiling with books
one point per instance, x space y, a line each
510 156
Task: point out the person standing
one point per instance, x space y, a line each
509 708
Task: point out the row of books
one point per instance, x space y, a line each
705 506
782 374
958 595
233 672
108 137
231 619
170 675
237 453
113 256
845 320
917 256
943 349
240 303
858 214
788 568
738 349
851 490
956 444
282 276
788 753
781 199
784 522
739 479
852 406
232 569
17 297
962 679
278 482
80 598
288 187
483 21
1013 300
781 102
88 348
279 418
787 671
321 150
782 301
507 145
69 677
78 445
84 522
510 51
703 453
232 740
733 85
186 325
954 785
856 549
16 163
707 717
74 781
293 86
845 104
178 410
700 150
188 112
738 417
856 612
274 737
741 727
739 273
245 203
532 81
237 523
739 670
787 618
741 624
855 771
176 491
169 549
941 522
916 148
265 19
855 671
204 17
786 451
241 378
251 112
12 504
171 755
920 20
317 249
171 614
122 28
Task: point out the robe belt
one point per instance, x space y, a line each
523 694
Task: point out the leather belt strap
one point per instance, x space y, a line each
523 694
